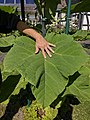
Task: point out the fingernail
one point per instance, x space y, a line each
50 55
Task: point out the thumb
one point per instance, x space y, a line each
37 50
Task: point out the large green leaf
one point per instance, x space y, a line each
21 57
80 88
21 84
46 74
69 55
51 84
86 68
7 41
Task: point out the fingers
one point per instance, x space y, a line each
50 49
45 49
48 52
43 52
37 50
50 44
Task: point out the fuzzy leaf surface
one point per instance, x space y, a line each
7 41
80 88
47 75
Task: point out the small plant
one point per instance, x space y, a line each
36 112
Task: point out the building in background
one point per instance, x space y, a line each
16 2
29 7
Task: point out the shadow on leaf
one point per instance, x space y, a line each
8 86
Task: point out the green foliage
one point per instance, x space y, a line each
9 9
82 6
50 78
36 112
69 56
37 2
7 41
82 35
81 86
46 9
51 7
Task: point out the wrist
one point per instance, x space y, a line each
38 37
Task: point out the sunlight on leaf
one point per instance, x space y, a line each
47 75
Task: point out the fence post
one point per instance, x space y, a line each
22 10
68 16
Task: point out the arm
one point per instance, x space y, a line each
10 22
41 43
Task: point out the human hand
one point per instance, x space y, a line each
44 46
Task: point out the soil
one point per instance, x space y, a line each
86 44
6 115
